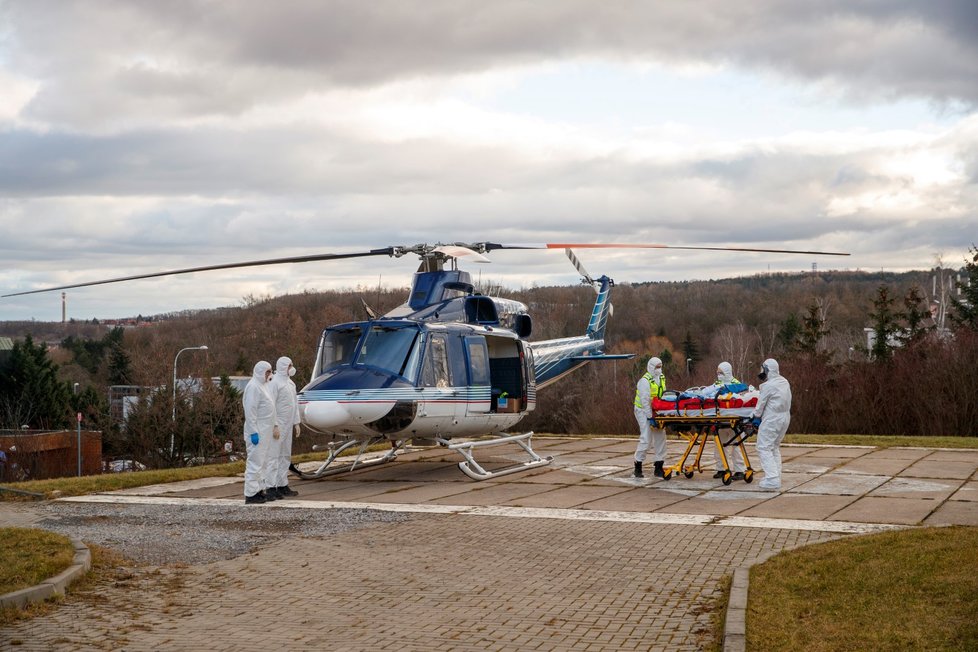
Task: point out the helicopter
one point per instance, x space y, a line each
448 364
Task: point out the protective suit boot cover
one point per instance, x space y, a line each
658 472
638 470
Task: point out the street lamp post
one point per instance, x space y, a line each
173 418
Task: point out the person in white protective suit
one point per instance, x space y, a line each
287 415
652 384
259 428
771 416
725 379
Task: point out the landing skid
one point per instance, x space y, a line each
475 471
324 470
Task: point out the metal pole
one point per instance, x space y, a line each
173 417
79 443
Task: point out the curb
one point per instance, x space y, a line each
52 586
735 624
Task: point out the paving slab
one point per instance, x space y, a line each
637 500
941 469
808 507
968 492
954 513
873 465
954 456
841 452
876 509
422 493
719 504
349 490
917 488
845 484
902 453
566 497
496 494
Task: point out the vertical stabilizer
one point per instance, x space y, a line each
602 308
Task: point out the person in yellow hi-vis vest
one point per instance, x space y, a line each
652 384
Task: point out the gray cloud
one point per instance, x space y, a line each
111 60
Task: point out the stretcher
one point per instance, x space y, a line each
701 420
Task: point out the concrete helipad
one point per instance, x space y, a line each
576 555
837 485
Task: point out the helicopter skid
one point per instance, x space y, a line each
324 469
475 471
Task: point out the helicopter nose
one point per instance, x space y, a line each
325 414
333 414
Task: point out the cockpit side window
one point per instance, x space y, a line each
435 371
338 347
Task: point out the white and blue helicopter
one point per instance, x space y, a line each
450 363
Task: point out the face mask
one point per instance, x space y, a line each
719 375
291 371
763 374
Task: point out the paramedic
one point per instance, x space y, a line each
287 416
726 383
259 425
772 416
652 384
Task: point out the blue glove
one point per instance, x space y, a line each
254 438
756 421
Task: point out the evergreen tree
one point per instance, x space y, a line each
30 392
120 367
914 315
789 332
885 325
812 331
965 310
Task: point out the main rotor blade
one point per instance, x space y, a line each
388 251
591 245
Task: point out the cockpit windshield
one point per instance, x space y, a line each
393 349
338 347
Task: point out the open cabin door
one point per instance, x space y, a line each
477 359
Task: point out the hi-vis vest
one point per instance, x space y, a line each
655 389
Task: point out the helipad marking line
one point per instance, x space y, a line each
659 518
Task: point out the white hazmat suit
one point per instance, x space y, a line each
725 377
259 423
774 410
651 384
287 415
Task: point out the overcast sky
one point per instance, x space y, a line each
145 136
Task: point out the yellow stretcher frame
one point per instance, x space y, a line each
697 430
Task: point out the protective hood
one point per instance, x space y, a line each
654 367
769 369
259 373
282 367
724 372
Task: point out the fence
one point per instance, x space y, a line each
36 455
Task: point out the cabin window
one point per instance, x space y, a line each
389 349
436 372
478 360
338 347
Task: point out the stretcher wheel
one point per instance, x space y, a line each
727 477
749 476
688 474
667 474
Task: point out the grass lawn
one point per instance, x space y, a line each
906 590
28 557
